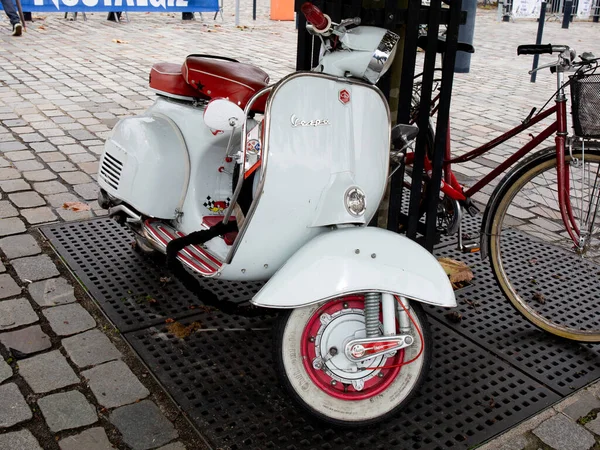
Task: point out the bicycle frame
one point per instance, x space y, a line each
453 189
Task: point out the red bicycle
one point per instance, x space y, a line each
540 226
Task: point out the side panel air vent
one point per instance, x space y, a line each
111 170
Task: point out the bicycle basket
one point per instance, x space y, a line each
585 105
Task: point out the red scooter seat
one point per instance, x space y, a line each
167 79
222 78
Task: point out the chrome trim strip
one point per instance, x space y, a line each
124 209
265 149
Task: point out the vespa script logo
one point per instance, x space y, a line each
296 122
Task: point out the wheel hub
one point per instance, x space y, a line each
325 336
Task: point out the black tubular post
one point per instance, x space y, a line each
567 13
443 118
433 28
538 39
253 9
404 105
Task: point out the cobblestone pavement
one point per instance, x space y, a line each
66 378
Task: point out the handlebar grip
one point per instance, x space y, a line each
534 49
314 16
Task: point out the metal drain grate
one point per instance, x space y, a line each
128 285
225 382
495 325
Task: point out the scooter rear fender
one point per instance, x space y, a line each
353 260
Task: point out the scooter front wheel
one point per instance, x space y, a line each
314 370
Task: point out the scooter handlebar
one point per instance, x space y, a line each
315 17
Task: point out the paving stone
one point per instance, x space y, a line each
71 148
49 187
11 146
69 215
39 175
38 215
58 200
82 158
8 286
26 199
34 268
67 410
175 446
18 246
7 210
19 440
47 372
90 348
75 177
25 342
5 370
92 439
88 191
114 384
14 185
62 166
19 156
13 408
69 319
28 165
578 405
8 173
41 147
16 313
53 156
10 226
52 292
143 426
562 433
89 167
594 426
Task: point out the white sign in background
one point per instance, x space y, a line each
584 8
526 8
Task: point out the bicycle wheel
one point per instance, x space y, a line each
548 281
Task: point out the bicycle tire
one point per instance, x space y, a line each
516 288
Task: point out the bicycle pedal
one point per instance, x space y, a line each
471 247
473 210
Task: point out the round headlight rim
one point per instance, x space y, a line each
386 48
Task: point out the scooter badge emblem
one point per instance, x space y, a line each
296 122
344 96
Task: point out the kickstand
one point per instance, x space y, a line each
466 247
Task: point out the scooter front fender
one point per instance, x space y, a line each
352 260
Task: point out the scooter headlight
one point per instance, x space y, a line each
356 201
382 57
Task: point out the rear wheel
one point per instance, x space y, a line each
315 371
546 278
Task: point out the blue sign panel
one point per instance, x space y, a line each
63 6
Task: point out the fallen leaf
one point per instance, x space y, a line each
151 300
165 280
457 271
454 317
76 206
120 41
533 261
181 331
41 27
556 276
492 402
539 297
169 320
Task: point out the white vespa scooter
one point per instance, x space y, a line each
278 183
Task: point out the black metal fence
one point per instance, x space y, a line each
422 206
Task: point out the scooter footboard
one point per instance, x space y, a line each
353 260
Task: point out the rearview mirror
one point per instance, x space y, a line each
222 114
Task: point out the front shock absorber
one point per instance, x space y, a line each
372 300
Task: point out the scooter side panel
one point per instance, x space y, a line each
356 260
316 138
140 151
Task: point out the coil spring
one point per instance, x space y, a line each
372 300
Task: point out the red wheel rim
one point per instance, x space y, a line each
343 391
